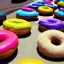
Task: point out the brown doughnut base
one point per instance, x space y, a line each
18 31
42 28
41 50
2 19
27 18
7 54
45 14
58 17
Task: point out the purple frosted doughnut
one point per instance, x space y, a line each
28 9
61 9
51 23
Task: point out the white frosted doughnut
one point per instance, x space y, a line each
51 43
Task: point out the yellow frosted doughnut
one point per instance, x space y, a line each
45 10
60 4
51 43
30 61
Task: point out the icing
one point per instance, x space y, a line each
28 9
48 1
16 24
26 13
52 6
2 14
39 4
51 23
33 6
30 61
61 9
59 13
8 40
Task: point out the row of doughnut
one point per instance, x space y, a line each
50 42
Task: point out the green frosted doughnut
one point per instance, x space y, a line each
17 24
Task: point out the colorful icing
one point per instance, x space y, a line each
52 6
28 9
2 14
51 23
26 13
16 24
61 4
61 9
8 41
33 6
30 61
48 1
39 4
59 13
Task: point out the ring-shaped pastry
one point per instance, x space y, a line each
18 26
60 4
51 43
8 43
45 10
30 61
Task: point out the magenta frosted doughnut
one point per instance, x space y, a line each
51 23
28 9
8 43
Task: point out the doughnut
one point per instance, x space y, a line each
60 4
18 26
48 1
36 5
59 13
49 24
45 10
26 14
56 1
2 17
8 43
51 44
30 61
54 7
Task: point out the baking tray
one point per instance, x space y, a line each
27 47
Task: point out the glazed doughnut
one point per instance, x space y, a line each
18 26
45 10
30 61
2 17
36 5
60 4
54 7
59 13
51 43
50 23
27 14
48 1
8 44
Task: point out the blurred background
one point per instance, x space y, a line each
8 6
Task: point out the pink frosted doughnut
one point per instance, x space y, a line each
28 9
48 1
8 43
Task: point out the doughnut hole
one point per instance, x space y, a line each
55 40
52 21
2 38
